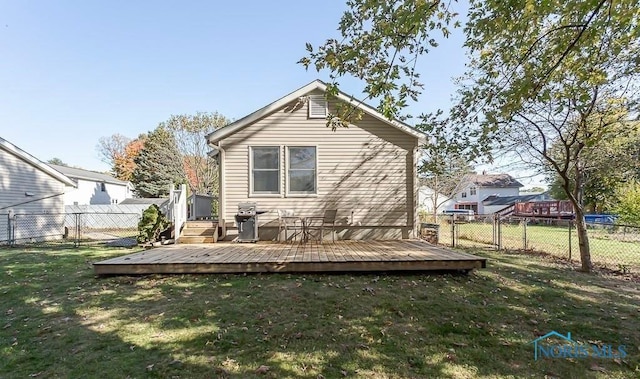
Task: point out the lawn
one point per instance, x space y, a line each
613 250
59 321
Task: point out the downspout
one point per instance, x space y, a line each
217 150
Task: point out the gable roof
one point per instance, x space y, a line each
78 173
494 181
35 162
240 124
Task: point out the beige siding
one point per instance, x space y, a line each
365 172
18 177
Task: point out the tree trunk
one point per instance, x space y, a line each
581 225
583 240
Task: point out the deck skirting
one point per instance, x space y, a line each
340 256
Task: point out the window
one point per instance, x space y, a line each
317 107
472 191
265 169
103 187
464 194
302 170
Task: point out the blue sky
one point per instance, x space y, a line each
73 71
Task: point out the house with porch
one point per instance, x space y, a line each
479 187
284 156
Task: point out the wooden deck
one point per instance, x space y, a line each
341 256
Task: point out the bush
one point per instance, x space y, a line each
628 207
153 222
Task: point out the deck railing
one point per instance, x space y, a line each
178 208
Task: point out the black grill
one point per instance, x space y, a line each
247 221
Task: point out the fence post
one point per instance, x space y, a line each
10 230
453 230
76 237
570 224
524 233
499 234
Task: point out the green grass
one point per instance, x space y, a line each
613 250
59 321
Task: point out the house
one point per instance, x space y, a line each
478 187
94 188
283 156
32 194
426 198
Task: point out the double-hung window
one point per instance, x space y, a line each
265 170
302 173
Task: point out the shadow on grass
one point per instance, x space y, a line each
63 322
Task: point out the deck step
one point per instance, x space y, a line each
197 239
189 231
199 232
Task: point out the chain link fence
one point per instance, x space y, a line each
612 246
59 229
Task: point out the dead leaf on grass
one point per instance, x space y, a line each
150 367
460 344
262 369
595 367
35 375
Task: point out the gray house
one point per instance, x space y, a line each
283 156
29 186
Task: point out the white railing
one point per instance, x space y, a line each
178 208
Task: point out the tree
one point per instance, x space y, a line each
561 59
156 165
124 163
628 207
611 165
112 147
189 132
57 161
444 167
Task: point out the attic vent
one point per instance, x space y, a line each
317 107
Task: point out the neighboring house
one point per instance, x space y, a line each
31 187
426 201
94 188
495 203
478 187
284 156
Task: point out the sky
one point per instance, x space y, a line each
74 71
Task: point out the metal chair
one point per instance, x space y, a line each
318 224
288 221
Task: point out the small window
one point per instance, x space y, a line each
317 107
472 191
265 167
302 170
464 194
103 187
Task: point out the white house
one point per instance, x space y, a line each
479 187
94 188
426 200
31 195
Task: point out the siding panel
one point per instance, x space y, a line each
364 171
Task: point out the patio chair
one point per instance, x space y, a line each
318 225
288 221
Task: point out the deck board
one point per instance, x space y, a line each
340 256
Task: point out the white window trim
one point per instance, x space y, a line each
265 194
286 174
326 106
